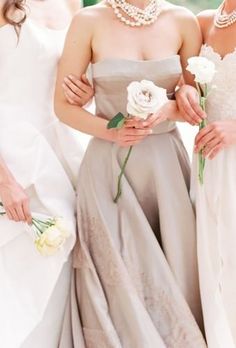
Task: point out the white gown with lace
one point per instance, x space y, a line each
216 212
44 158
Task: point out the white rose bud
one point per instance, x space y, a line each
145 98
203 69
51 240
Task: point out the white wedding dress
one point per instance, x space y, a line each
216 213
44 158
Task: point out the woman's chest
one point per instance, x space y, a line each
146 43
223 41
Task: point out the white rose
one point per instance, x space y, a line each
203 69
51 240
145 98
62 225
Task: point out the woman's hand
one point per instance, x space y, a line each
187 99
15 201
128 135
215 137
167 112
76 91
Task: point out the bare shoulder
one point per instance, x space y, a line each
90 15
206 17
179 11
185 18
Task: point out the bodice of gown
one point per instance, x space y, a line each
112 76
221 103
33 58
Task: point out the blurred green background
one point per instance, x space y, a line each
194 5
198 5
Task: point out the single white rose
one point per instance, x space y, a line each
203 69
145 98
51 240
62 225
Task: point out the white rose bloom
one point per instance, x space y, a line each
62 225
203 69
145 98
51 240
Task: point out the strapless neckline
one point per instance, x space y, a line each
135 61
210 49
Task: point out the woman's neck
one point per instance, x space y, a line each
230 5
139 3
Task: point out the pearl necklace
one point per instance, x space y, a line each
224 20
138 16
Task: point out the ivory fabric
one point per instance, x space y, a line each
216 210
44 158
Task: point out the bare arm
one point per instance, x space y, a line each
192 41
187 96
191 44
75 59
12 196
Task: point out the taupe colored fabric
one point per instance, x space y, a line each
135 279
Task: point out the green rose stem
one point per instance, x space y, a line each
201 158
38 224
119 191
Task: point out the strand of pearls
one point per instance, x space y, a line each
137 17
224 20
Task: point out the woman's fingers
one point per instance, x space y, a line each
202 133
20 213
210 146
71 97
14 214
196 108
134 122
75 87
204 141
9 214
77 92
86 81
80 87
27 213
187 99
189 113
215 151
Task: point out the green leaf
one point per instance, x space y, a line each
121 123
117 121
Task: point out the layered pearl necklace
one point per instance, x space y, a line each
137 16
224 20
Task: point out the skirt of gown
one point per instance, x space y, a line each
135 281
34 289
216 208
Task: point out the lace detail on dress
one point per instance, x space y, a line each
98 339
173 319
221 101
97 243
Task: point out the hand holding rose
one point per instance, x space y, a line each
144 101
216 137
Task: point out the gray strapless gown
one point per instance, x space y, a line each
135 282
